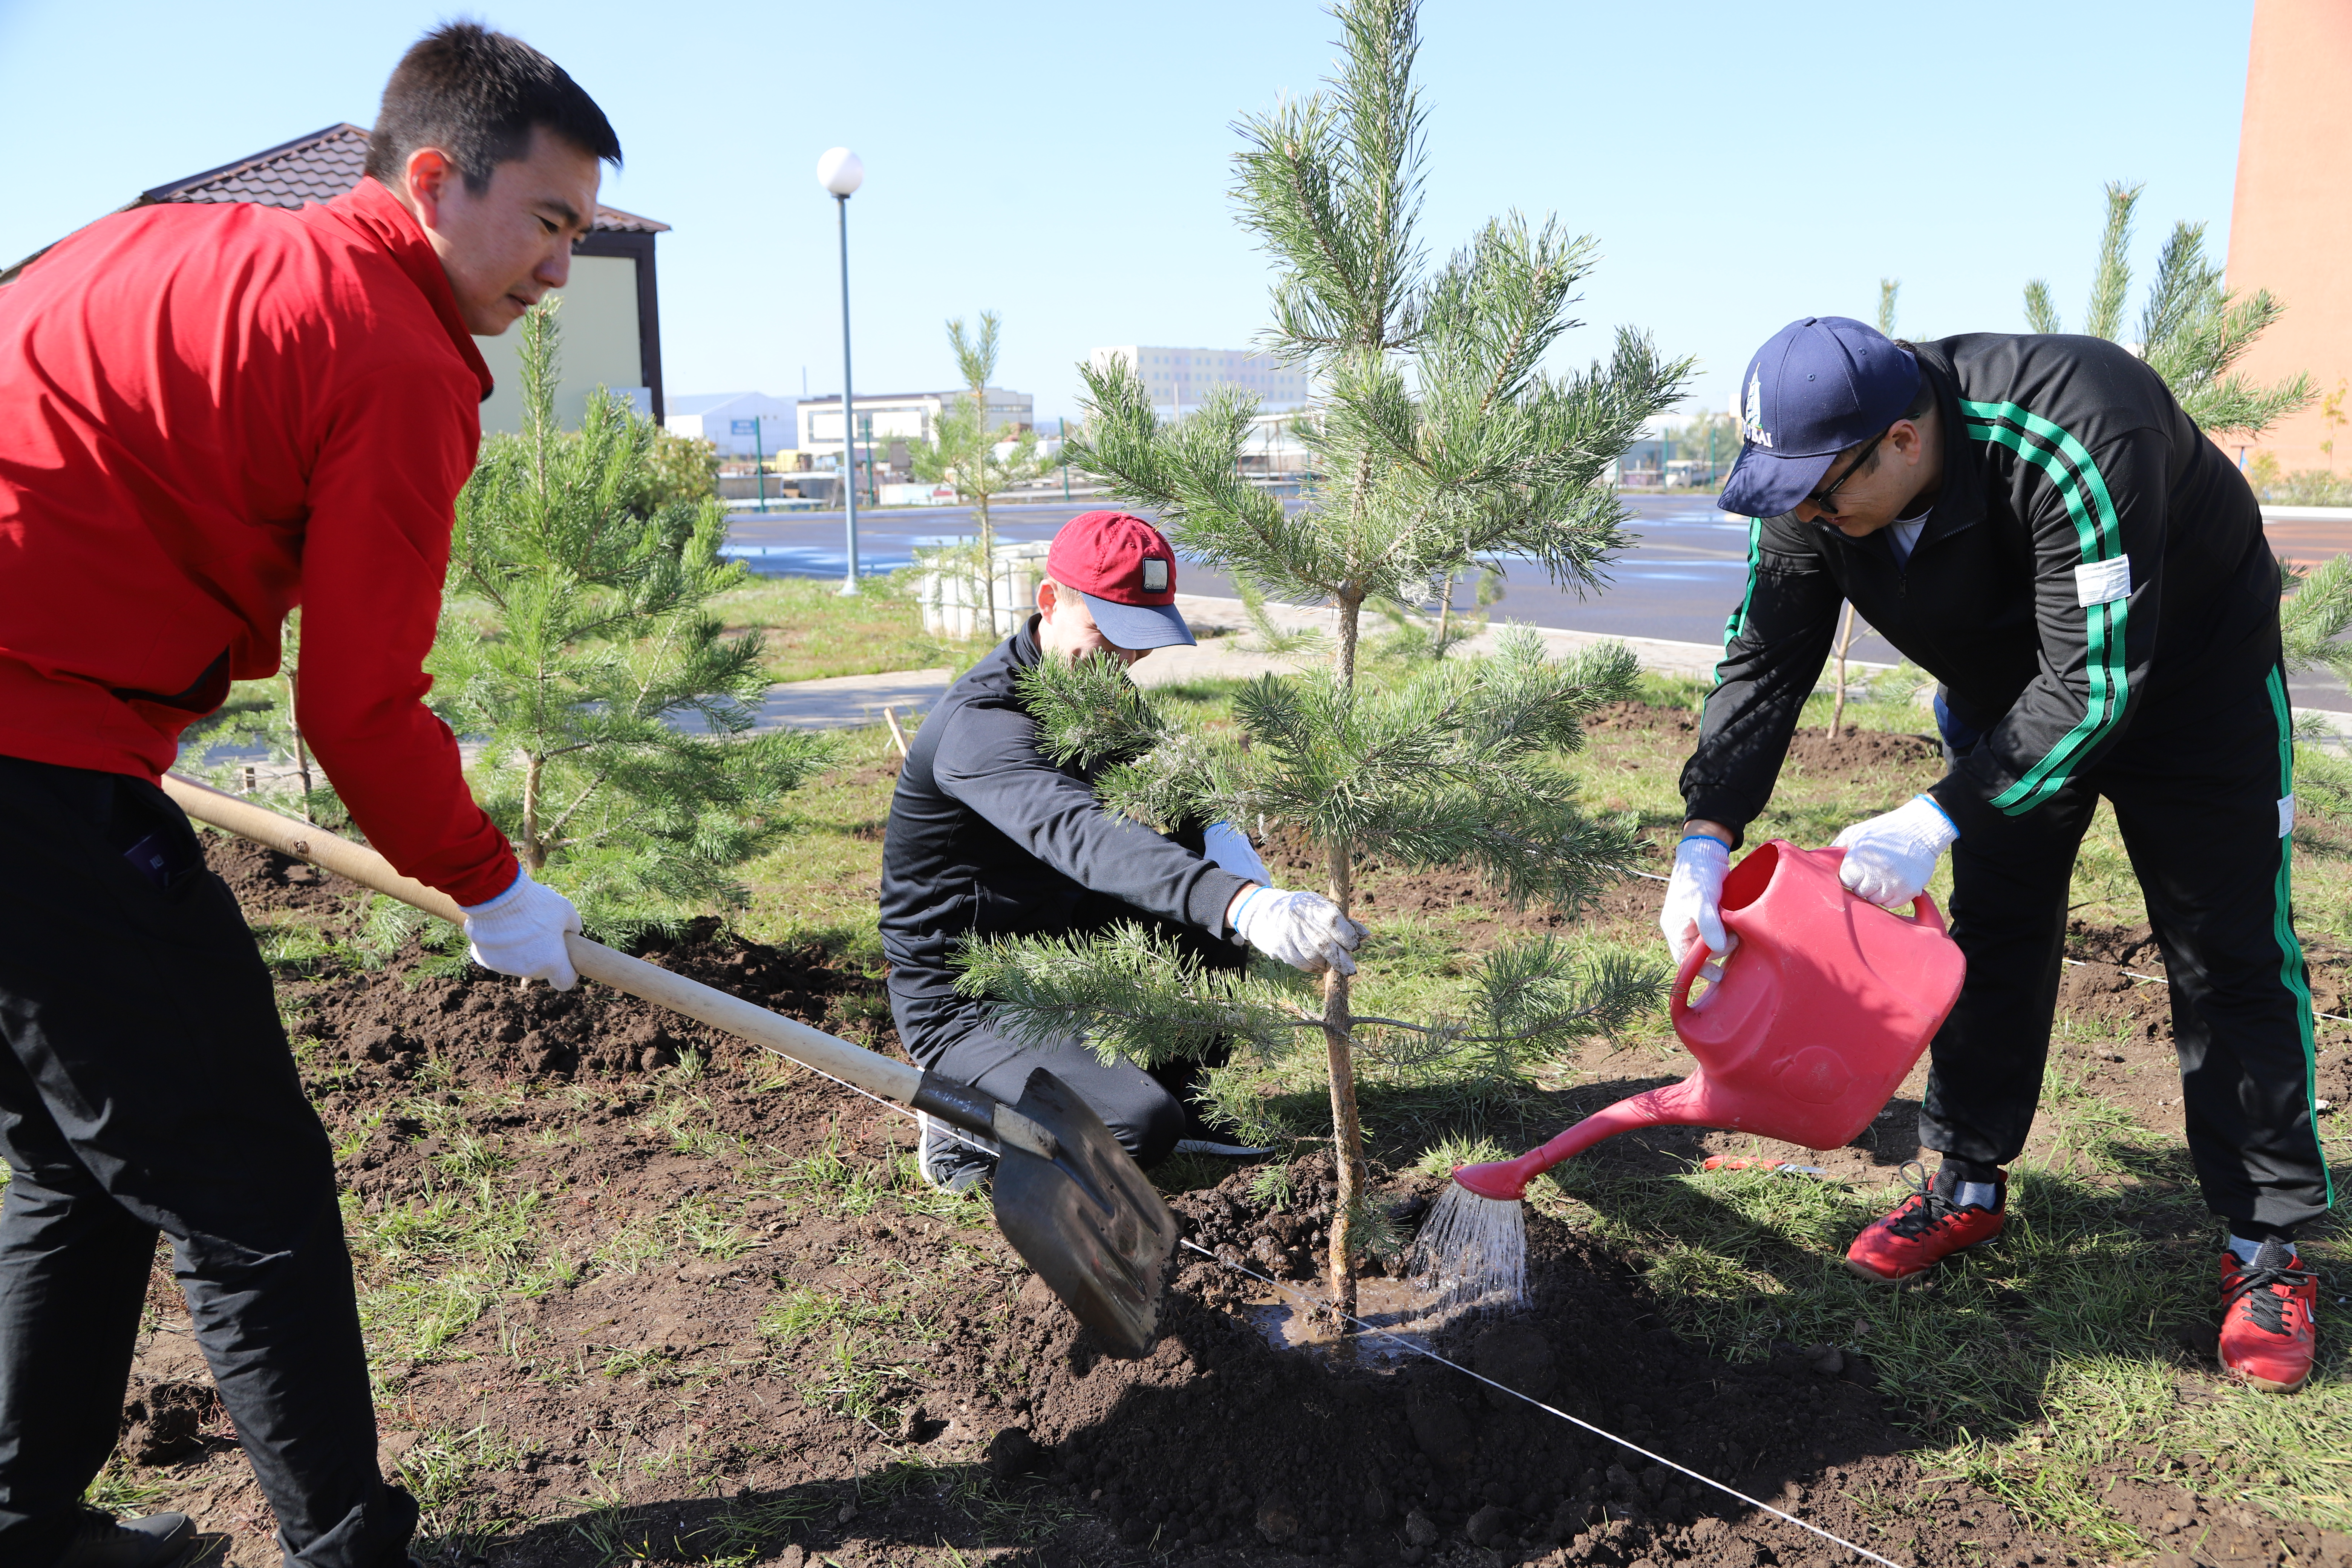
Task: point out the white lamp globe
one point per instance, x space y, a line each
840 172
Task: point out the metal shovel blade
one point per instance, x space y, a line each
1088 1221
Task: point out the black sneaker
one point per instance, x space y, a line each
951 1159
102 1541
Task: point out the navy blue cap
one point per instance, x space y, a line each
1819 387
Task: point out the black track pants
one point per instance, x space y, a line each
146 1087
2197 789
1145 1111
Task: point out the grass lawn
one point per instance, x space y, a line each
813 631
2030 1369
2038 1370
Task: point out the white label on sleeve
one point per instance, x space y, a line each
2103 581
2286 816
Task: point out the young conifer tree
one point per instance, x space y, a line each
578 649
2191 331
963 451
1444 446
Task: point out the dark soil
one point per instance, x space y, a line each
650 1401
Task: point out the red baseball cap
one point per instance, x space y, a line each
1125 571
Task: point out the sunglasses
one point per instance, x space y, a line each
1825 502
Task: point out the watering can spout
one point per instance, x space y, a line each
1815 1020
1667 1106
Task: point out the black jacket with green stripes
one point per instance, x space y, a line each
2090 552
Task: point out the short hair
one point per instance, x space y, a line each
478 96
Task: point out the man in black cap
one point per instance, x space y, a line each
987 837
2034 521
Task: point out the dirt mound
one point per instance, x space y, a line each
1403 1464
268 884
1642 716
486 1027
756 1353
1857 755
499 1028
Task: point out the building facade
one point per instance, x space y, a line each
739 424
2291 221
1181 378
902 416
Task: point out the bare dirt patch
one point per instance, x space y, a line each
754 1358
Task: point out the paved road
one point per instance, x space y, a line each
1677 582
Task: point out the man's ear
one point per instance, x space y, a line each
1044 595
429 174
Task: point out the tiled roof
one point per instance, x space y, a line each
317 168
314 168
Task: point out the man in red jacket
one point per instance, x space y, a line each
209 414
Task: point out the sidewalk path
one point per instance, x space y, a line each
850 701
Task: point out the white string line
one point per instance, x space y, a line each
1417 1349
1597 1431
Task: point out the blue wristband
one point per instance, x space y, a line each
1704 839
1939 804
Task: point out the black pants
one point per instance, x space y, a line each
2197 787
146 1087
1143 1109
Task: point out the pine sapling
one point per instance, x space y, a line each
964 449
613 717
2191 332
1455 764
1443 443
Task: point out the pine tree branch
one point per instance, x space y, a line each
2112 278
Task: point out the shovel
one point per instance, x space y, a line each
1066 1195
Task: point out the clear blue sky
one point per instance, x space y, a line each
1740 164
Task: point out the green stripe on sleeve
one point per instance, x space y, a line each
2292 972
2099 537
1737 622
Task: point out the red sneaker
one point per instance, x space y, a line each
2268 1307
1926 1227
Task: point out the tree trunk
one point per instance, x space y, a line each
301 752
1343 653
534 853
1845 641
987 563
1446 614
1346 1129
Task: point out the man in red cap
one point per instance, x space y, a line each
988 837
209 414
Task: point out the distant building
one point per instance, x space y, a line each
1271 448
2291 223
739 424
902 416
1181 378
612 327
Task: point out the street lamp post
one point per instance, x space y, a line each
840 173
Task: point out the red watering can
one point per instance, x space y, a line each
1819 1011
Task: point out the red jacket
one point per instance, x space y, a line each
209 414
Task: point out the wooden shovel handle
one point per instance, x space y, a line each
787 1036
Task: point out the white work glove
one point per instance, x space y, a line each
1889 858
1695 897
520 933
1304 930
1229 847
